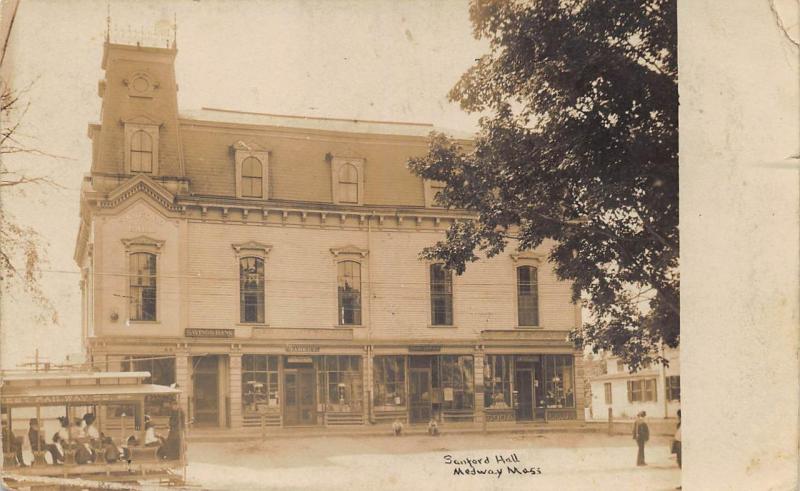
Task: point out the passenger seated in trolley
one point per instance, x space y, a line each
38 444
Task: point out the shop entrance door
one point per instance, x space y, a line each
299 407
523 385
420 397
206 390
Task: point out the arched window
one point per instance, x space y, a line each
441 295
142 286
348 184
252 178
349 279
251 290
141 152
528 296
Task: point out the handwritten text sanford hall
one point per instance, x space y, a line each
496 466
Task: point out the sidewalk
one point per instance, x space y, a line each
227 434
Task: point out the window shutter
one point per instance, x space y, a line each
630 391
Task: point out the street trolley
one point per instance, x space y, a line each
91 426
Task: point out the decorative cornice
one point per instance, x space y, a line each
252 246
248 147
350 250
141 119
534 257
143 241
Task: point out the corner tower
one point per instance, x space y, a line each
138 131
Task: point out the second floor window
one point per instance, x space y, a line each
141 152
142 286
348 184
252 178
607 389
674 388
528 296
441 295
251 290
349 280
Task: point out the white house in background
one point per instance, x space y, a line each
655 389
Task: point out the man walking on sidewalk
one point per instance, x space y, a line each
641 433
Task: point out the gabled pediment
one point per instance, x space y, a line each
140 184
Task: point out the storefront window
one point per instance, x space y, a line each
559 381
497 382
162 372
259 383
340 383
390 382
457 382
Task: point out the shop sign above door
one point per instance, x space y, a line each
302 348
425 347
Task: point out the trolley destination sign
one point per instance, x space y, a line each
66 398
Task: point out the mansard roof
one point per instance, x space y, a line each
340 125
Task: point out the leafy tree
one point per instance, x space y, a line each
578 143
21 247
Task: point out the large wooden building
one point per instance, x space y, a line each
269 265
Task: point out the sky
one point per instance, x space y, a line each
378 60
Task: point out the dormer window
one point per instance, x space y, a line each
348 184
348 180
141 152
252 178
432 191
252 171
141 146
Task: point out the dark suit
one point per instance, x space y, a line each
12 443
641 433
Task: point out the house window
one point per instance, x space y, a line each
607 388
497 382
259 383
252 178
141 152
340 383
349 280
441 295
348 184
643 390
527 296
251 290
142 286
390 381
674 388
620 366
